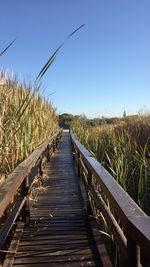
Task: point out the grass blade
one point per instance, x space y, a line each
75 31
7 48
46 66
53 57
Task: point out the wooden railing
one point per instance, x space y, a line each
129 225
14 197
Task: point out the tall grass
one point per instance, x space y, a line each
124 150
26 119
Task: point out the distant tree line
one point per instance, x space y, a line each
66 120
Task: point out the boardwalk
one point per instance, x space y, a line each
59 234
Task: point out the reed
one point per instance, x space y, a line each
123 149
26 120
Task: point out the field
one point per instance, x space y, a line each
122 148
26 120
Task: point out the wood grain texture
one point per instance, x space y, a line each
14 180
59 233
135 223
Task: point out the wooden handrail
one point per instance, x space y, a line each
135 224
21 179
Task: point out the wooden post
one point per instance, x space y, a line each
73 150
26 207
133 253
40 168
48 153
79 173
89 180
53 145
57 142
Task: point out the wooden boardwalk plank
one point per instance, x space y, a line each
58 234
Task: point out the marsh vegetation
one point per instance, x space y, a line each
26 120
122 148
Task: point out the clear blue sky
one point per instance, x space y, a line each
101 70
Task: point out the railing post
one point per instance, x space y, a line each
73 150
89 180
40 168
78 166
54 145
57 142
48 153
26 207
133 253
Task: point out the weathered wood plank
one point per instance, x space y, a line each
135 222
14 246
15 179
58 234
